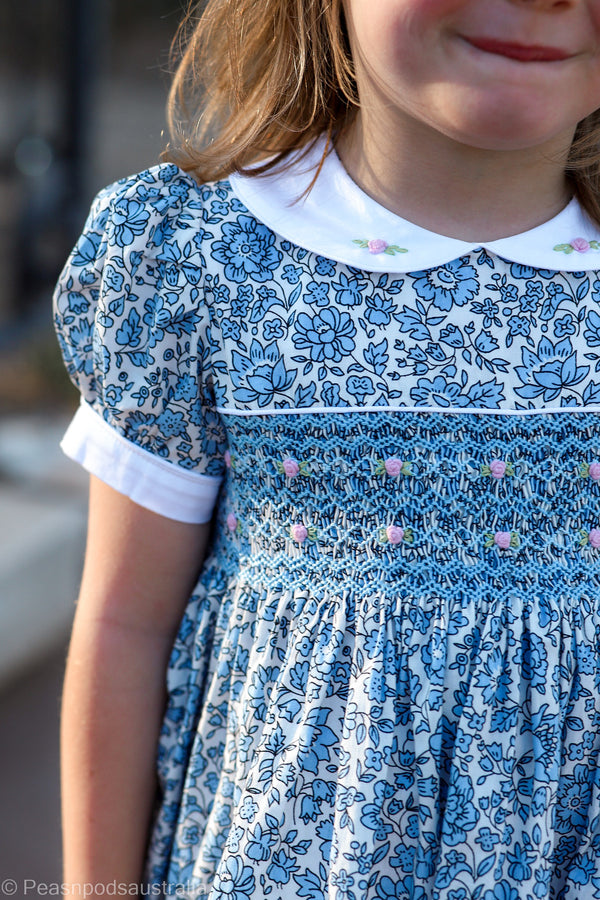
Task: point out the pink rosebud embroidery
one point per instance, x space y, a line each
377 246
594 537
393 466
502 539
595 471
227 458
498 468
232 522
580 244
395 534
290 467
299 533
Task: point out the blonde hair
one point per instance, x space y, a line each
256 79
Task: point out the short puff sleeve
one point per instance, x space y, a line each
133 328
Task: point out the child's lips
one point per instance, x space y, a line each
520 52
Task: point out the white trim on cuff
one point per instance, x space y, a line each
153 483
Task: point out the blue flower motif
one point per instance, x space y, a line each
535 661
349 291
230 329
129 218
247 251
218 208
171 423
327 335
542 882
113 394
78 350
380 309
331 394
282 867
113 279
359 387
86 249
520 863
452 335
373 759
565 326
234 880
549 371
574 798
434 656
453 284
494 678
318 292
291 274
584 869
239 307
391 890
260 376
486 839
489 310
461 815
592 332
273 329
260 678
438 392
534 293
186 387
519 325
324 267
259 846
502 891
140 428
486 342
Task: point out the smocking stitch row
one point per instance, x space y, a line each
468 578
395 467
395 534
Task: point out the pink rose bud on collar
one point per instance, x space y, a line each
498 468
580 244
502 539
393 466
395 534
595 471
377 246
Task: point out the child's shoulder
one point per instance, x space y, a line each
162 190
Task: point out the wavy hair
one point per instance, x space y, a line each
256 79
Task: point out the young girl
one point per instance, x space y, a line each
340 389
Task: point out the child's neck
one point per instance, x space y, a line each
452 189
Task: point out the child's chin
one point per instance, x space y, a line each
511 129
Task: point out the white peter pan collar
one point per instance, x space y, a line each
336 219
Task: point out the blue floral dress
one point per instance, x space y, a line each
386 683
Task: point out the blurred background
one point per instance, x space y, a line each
83 85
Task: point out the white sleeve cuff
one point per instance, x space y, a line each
152 482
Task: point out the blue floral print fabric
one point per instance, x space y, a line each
386 683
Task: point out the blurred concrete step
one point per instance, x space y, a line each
42 540
41 552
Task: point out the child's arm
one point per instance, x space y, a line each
139 571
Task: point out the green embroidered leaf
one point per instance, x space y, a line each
563 248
